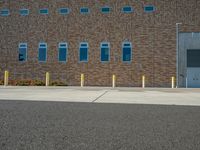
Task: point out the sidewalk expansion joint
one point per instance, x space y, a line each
99 97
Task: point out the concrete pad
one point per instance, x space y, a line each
103 95
48 94
151 97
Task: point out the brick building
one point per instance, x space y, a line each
99 38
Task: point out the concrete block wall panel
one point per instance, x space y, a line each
187 41
153 36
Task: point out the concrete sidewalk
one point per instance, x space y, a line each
103 95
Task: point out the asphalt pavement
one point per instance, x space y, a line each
36 125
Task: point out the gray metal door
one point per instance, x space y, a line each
193 77
193 68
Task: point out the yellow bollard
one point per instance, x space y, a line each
47 78
82 80
173 82
143 81
114 81
6 74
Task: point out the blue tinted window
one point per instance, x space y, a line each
84 10
44 11
43 44
63 11
62 52
63 44
105 9
42 52
22 51
126 52
24 12
105 51
127 9
104 44
127 44
149 8
83 52
5 12
84 44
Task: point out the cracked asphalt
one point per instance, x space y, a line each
36 125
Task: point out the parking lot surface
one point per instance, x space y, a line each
89 118
36 125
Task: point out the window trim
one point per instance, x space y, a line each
85 13
87 51
127 12
101 46
59 10
26 46
123 43
22 10
66 46
147 11
39 51
107 12
44 13
5 9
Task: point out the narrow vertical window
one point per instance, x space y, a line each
105 51
42 52
5 12
22 51
62 52
83 52
126 51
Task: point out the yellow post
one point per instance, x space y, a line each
114 81
47 78
6 74
173 82
143 81
82 80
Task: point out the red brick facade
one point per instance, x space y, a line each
153 36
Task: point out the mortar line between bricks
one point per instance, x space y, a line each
99 96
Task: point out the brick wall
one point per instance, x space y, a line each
153 36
